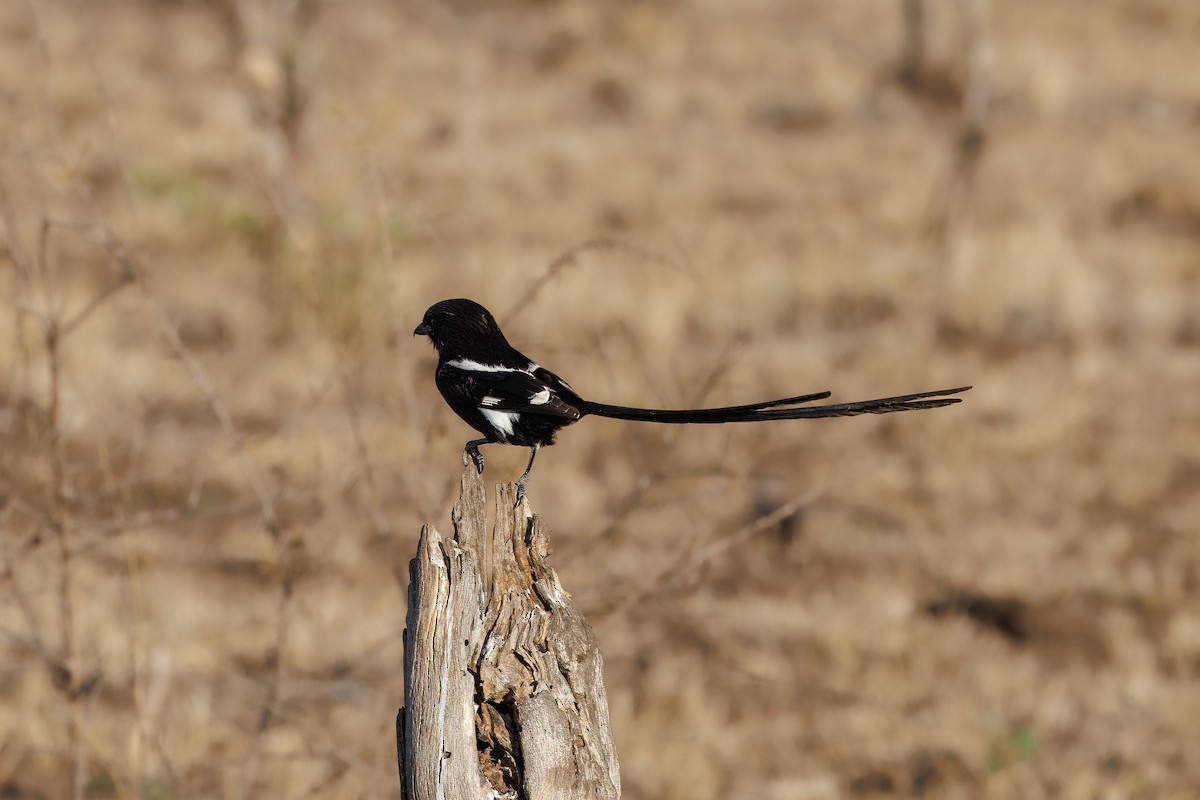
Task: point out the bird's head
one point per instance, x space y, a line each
453 326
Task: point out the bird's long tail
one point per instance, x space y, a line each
784 408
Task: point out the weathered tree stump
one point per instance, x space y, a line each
502 674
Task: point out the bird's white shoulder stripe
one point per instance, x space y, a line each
476 366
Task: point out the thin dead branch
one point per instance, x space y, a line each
68 678
269 517
570 258
687 569
952 203
125 260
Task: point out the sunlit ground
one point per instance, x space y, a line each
670 204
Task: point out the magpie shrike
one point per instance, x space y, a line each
511 399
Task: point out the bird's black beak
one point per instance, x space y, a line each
421 330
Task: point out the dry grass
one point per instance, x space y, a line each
219 441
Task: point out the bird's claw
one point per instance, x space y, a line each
520 495
476 458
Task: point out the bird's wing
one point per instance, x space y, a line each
514 390
556 384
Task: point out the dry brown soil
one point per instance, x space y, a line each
221 223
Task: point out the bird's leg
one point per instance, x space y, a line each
472 450
521 481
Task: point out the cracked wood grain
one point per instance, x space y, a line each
503 676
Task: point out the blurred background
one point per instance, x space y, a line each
222 220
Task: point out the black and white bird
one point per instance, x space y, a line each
511 399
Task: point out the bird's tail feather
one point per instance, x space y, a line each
776 409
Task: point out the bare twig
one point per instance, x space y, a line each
912 57
83 10
971 136
266 503
380 524
972 131
265 40
278 651
117 250
82 314
687 568
636 497
569 258
133 601
68 677
56 326
21 598
36 294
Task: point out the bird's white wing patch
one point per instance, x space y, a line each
541 398
491 401
476 366
502 421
